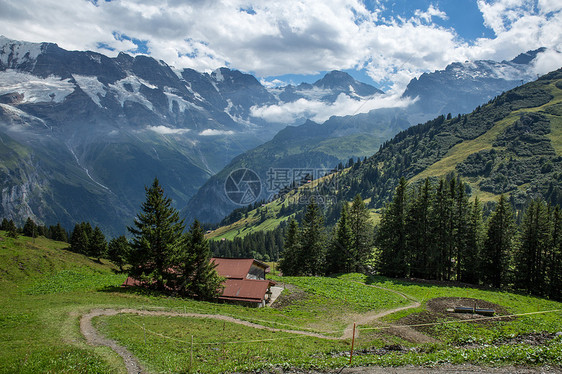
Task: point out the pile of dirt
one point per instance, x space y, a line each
437 312
289 296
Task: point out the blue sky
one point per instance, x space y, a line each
382 42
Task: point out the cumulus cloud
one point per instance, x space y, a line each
273 38
319 111
215 132
163 130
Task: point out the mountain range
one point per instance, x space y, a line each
511 145
82 133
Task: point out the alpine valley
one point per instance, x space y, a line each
81 133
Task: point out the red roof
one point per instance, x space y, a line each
237 268
252 290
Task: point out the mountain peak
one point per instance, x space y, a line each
341 80
527 57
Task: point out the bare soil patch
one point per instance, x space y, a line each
437 312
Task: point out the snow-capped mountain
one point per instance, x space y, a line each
462 86
83 133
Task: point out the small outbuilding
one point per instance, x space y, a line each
245 281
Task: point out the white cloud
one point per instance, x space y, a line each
320 112
214 132
163 130
284 37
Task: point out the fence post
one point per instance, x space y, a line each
144 331
352 344
191 359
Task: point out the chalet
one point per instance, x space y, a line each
245 281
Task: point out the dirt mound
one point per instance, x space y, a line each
437 312
289 296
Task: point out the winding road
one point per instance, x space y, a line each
133 366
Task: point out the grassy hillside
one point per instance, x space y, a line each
47 289
511 145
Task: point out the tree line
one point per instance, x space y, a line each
309 250
161 253
434 231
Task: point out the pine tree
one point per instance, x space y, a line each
4 225
117 251
313 241
417 230
391 235
291 260
471 267
341 256
554 257
79 241
498 245
59 233
11 229
461 229
198 277
157 234
531 255
362 235
441 235
30 228
97 245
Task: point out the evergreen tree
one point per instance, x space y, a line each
117 251
4 225
530 259
554 257
471 267
79 241
198 277
461 229
58 233
362 235
11 229
441 235
341 256
97 245
30 228
313 241
291 260
391 235
157 234
417 230
498 245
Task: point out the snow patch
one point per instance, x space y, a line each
92 87
182 104
215 132
122 95
13 53
35 89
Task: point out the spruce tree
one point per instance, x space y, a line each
197 276
498 245
471 268
535 242
157 234
117 251
391 235
417 230
441 235
291 260
461 229
362 235
79 241
4 224
97 245
554 257
30 228
11 229
341 255
313 241
59 233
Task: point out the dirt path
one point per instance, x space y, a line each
134 367
404 332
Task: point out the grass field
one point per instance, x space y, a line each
46 290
